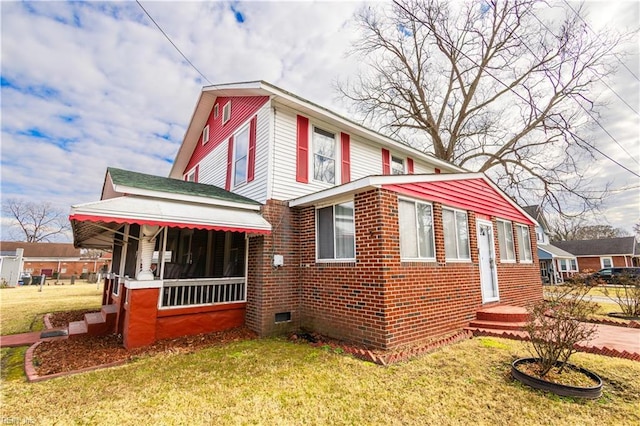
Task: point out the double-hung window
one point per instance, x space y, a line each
524 243
416 230
205 134
505 241
335 232
226 112
606 262
456 234
397 166
240 155
324 156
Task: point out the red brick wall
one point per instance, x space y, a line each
378 300
382 302
274 290
593 264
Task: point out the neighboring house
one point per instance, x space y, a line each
11 264
603 253
61 259
322 225
555 264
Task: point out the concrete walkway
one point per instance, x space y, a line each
620 342
28 339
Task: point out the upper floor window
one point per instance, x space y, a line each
524 244
397 166
324 156
456 234
205 134
226 112
505 241
416 230
335 232
216 110
191 176
240 156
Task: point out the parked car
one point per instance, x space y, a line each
25 278
612 275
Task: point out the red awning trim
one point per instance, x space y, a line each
123 220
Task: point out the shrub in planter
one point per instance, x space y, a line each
555 326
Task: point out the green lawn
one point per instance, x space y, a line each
273 381
22 308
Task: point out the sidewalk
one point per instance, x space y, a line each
28 339
610 340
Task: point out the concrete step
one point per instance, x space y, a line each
96 324
503 313
77 328
497 325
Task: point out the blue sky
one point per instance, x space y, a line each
87 85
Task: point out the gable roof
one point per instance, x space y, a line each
41 249
209 94
535 211
128 182
605 246
469 191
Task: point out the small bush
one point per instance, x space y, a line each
626 294
557 324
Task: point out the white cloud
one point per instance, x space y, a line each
101 77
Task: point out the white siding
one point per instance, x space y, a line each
366 157
213 168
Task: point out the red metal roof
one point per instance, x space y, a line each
469 194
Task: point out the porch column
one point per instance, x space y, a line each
147 245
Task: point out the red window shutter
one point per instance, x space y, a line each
386 162
410 165
345 140
227 185
302 160
196 173
251 167
437 171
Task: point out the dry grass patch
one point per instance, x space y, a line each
273 381
22 308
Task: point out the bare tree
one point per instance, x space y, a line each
36 222
490 86
568 229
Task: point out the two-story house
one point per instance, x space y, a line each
282 215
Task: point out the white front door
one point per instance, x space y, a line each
487 261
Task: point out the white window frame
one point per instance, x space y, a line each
334 259
416 231
216 110
602 260
502 226
205 135
191 175
455 221
312 153
524 249
226 113
395 161
235 160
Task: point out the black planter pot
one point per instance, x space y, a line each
620 315
563 390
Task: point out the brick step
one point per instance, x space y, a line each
497 325
77 328
503 314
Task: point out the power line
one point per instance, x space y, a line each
578 102
598 37
451 46
172 43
